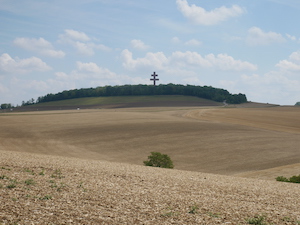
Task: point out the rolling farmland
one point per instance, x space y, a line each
258 143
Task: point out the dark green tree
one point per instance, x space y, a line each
6 106
157 159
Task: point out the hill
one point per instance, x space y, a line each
207 92
219 140
122 102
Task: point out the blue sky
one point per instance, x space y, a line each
250 47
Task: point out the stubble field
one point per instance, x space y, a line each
87 146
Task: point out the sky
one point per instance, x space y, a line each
250 47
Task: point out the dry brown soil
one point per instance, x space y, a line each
63 167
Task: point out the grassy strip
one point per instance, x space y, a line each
122 99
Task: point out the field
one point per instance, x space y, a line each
122 102
226 161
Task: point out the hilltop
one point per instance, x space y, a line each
207 92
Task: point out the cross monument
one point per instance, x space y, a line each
154 78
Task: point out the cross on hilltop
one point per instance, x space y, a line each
154 78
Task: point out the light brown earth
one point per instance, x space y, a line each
73 159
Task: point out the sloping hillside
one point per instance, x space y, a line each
122 102
214 140
67 167
39 189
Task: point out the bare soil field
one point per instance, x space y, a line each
67 166
225 141
39 189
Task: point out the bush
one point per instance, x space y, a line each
258 220
293 179
157 159
282 179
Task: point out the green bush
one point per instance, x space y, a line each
258 220
282 178
157 159
293 179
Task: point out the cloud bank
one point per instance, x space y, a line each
178 59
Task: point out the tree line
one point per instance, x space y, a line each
207 92
6 106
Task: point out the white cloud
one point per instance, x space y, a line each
293 64
61 75
273 83
183 59
256 36
74 35
226 62
84 48
153 60
89 67
288 65
90 74
295 56
10 65
200 16
193 43
40 46
180 59
278 86
91 71
81 42
138 44
100 47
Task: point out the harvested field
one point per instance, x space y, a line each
73 160
225 141
60 190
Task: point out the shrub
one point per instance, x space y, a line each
293 179
282 178
258 220
157 159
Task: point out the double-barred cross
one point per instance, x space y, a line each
154 78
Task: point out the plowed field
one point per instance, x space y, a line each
73 159
216 140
